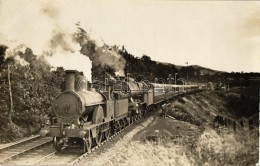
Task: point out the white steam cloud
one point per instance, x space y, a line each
37 25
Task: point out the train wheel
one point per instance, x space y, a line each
87 144
107 133
126 122
141 111
122 124
99 136
145 110
131 120
58 143
117 126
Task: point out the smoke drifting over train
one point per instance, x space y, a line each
45 31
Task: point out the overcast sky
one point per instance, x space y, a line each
220 35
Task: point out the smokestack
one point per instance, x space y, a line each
70 80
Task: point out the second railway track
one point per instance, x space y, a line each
25 151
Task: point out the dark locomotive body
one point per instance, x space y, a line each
86 116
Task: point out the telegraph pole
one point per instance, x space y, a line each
175 78
187 70
11 106
175 81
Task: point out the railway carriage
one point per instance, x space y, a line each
158 92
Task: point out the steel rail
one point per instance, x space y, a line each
11 145
8 158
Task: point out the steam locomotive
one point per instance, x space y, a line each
87 115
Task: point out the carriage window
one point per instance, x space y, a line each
158 91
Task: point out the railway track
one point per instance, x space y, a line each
59 158
26 149
73 156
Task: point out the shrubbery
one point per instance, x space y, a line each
181 113
34 86
227 148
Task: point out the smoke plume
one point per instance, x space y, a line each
49 30
15 53
40 28
101 55
110 56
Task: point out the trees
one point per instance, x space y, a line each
27 91
3 84
6 82
34 86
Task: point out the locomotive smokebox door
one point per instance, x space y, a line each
67 105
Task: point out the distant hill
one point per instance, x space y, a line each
202 70
205 70
144 68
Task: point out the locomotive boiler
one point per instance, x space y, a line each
136 92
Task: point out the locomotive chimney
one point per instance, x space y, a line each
70 80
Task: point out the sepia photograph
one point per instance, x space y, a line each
148 82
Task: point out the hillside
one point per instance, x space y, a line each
146 68
205 70
202 70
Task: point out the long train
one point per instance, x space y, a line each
84 116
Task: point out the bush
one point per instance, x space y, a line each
226 148
181 113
